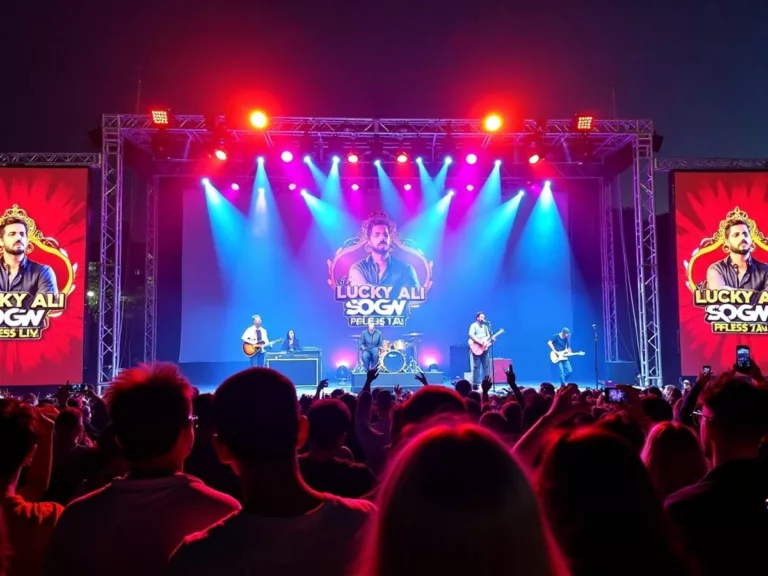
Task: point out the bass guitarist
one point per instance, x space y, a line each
561 342
256 335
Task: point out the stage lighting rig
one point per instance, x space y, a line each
307 146
582 123
161 117
492 123
353 158
401 157
258 119
377 149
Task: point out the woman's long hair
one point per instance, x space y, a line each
603 509
674 458
456 502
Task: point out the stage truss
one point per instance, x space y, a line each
607 140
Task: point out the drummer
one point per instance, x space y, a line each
370 342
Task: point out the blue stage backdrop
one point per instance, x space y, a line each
299 259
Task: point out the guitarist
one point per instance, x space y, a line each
253 335
561 342
481 363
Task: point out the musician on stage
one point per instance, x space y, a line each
480 334
370 342
253 335
561 342
291 343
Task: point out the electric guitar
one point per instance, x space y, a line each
478 349
253 349
558 357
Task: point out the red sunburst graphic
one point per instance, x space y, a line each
56 200
702 200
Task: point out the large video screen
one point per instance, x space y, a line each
722 266
43 275
414 261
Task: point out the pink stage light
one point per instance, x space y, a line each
534 159
470 187
287 156
235 186
471 158
355 187
407 187
353 158
402 158
291 186
220 154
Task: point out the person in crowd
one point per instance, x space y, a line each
496 423
285 527
203 462
384 401
514 418
352 442
673 457
722 519
109 463
28 525
72 461
633 538
133 525
625 427
322 468
463 387
657 409
424 526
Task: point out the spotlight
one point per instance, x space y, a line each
377 163
448 160
353 158
161 118
471 158
497 163
451 192
401 157
521 192
419 160
407 187
470 187
355 187
261 190
235 186
260 159
582 122
220 154
90 293
287 156
291 186
534 158
258 119
304 192
205 181
492 123
307 159
336 159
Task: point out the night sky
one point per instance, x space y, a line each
698 68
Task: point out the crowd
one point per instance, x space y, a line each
156 479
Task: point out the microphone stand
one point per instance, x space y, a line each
493 367
597 378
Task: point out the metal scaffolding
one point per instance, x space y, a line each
607 139
671 164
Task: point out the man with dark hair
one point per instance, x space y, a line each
321 468
18 273
29 524
285 527
380 268
480 336
560 343
133 525
738 270
722 518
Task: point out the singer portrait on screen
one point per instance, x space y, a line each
739 270
18 273
379 268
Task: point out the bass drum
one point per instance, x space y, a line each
393 362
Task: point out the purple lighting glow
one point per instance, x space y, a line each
407 187
470 187
291 186
235 186
355 187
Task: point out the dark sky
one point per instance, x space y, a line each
698 68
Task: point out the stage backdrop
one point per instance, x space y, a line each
41 311
714 319
301 261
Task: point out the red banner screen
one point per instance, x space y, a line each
43 275
721 221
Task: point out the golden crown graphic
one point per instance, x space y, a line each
717 240
48 245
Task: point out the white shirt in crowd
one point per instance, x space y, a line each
322 542
250 335
132 527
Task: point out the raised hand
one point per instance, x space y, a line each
322 384
372 375
487 384
510 372
421 377
398 391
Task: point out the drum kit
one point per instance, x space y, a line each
395 355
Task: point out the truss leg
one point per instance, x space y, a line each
150 273
647 261
110 253
607 256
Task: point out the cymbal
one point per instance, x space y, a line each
356 336
412 334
